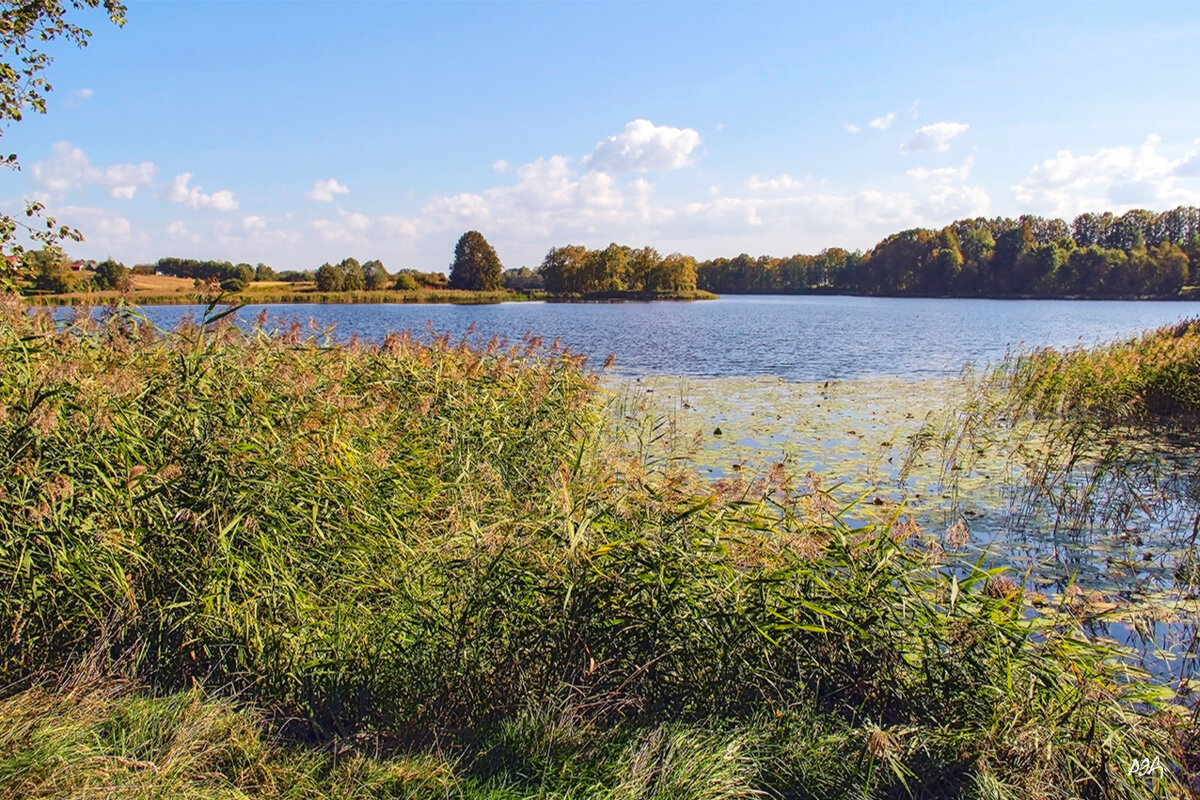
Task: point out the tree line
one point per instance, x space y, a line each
1137 254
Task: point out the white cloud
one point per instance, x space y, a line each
84 94
934 137
850 126
943 174
720 126
783 183
323 191
644 146
1116 178
177 228
882 123
356 222
811 219
914 110
95 221
179 192
500 165
253 223
69 168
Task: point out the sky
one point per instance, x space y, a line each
294 133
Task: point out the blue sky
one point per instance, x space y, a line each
294 133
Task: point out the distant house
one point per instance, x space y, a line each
76 266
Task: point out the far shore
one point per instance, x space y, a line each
282 293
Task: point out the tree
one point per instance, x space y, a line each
353 278
111 275
330 278
562 269
476 265
50 271
377 277
24 27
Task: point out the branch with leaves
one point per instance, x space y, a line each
25 27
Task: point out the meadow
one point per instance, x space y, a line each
257 563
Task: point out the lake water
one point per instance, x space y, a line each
804 338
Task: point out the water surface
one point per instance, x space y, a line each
797 338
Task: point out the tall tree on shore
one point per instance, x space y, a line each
476 265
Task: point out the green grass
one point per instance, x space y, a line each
443 555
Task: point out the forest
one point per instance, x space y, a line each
1137 254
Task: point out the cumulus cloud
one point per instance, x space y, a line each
783 183
355 221
253 223
934 137
850 126
644 146
943 174
500 165
882 123
822 218
193 197
177 228
69 168
96 221
1116 178
323 191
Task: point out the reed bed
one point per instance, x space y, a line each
272 295
435 569
1151 378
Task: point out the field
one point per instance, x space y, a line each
246 564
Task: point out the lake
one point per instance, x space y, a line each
797 338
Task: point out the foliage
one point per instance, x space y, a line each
574 270
375 276
523 279
476 265
111 274
438 542
204 270
24 27
405 283
1139 254
49 271
416 279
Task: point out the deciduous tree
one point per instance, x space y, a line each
476 265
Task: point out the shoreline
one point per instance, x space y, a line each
385 297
